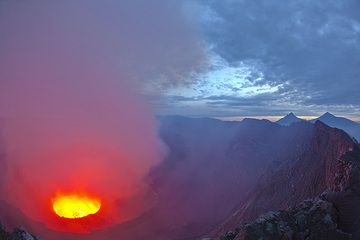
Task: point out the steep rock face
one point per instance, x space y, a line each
335 174
346 196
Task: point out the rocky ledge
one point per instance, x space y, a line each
311 220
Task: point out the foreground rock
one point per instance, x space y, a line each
311 220
17 234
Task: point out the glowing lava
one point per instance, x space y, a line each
75 206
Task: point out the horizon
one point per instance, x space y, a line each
276 118
260 117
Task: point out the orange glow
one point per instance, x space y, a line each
75 206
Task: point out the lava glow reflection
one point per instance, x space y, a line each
75 206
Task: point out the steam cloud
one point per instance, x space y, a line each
72 116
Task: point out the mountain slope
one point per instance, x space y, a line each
317 170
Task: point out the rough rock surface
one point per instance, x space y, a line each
312 220
17 234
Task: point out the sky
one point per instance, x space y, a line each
221 58
267 58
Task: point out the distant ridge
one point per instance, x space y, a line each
349 126
329 119
289 119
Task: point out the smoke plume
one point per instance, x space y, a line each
72 116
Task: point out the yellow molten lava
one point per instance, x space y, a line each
75 206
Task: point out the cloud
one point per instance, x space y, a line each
311 49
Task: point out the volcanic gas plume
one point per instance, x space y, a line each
78 137
73 131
